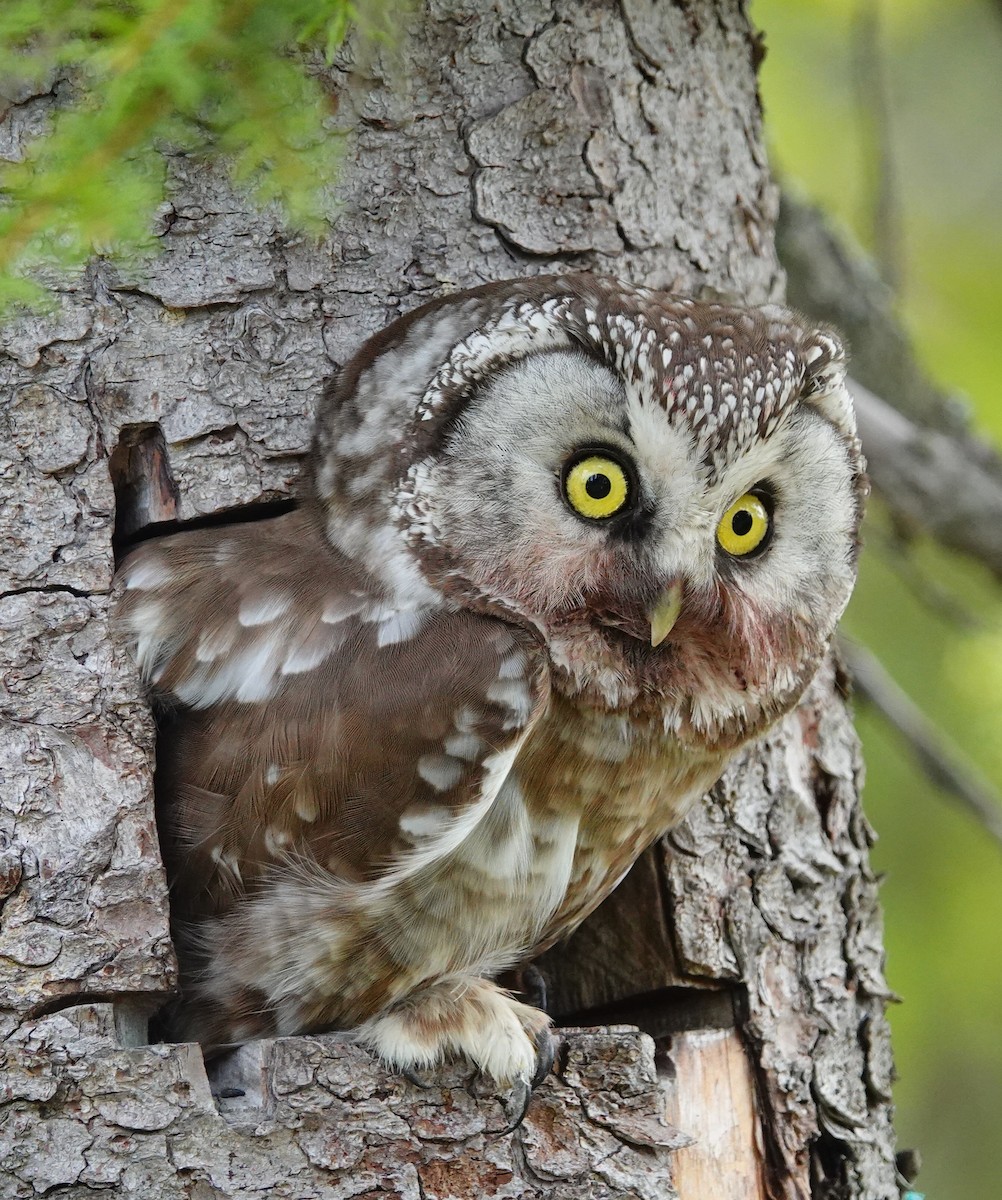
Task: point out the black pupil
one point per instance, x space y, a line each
742 522
598 486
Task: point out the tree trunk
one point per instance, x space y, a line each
505 139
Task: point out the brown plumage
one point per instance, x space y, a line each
417 729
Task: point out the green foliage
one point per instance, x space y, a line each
190 76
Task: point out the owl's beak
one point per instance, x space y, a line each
665 612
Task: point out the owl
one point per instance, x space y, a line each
563 546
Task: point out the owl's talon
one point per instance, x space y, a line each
532 985
517 1106
546 1051
522 1090
472 1084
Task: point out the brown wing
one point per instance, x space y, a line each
308 717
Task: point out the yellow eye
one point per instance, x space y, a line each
596 486
745 525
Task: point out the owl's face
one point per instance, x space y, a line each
668 492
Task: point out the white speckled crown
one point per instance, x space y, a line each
727 373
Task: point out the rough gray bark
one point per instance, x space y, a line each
315 1118
529 136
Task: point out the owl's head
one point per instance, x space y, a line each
667 491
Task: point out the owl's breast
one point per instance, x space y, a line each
585 795
622 782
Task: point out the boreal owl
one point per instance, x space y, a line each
563 546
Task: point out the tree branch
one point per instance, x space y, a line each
949 486
932 472
939 759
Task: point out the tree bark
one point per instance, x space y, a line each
522 137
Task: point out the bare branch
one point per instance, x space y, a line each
874 118
934 474
941 761
949 486
831 279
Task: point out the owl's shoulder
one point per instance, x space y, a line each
247 612
311 715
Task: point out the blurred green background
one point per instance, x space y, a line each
939 145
